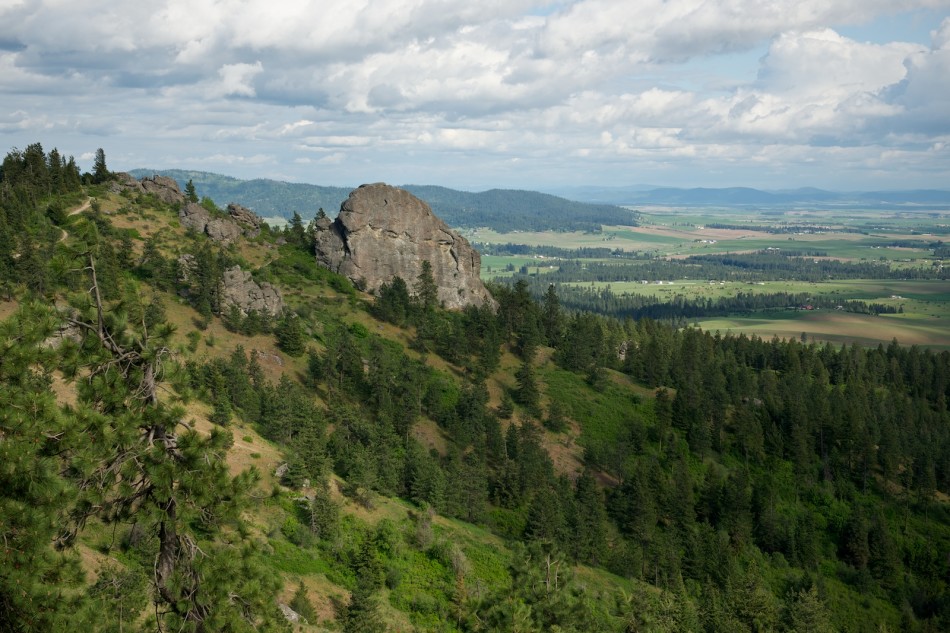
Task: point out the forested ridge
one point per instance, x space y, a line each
519 469
503 210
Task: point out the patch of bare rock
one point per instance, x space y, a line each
382 232
239 289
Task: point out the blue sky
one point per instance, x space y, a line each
846 94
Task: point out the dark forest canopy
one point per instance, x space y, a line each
511 210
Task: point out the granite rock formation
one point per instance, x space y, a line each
249 221
241 221
383 232
239 289
124 181
164 188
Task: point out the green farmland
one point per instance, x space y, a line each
896 240
840 327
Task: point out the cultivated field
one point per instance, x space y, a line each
840 327
903 240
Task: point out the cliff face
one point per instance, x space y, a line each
383 232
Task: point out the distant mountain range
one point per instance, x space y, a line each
500 209
745 196
574 208
267 198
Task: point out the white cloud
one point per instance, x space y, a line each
353 83
235 80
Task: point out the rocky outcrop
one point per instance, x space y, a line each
164 188
383 232
249 221
125 182
239 289
186 267
223 230
194 216
240 221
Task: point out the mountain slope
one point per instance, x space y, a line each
444 471
500 209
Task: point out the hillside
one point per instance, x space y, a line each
267 198
519 469
500 209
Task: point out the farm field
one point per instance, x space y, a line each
925 319
902 240
683 242
839 327
923 295
495 266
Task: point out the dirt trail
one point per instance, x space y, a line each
85 205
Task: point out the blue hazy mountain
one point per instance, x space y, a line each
500 209
746 196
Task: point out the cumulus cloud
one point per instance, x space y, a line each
924 93
499 82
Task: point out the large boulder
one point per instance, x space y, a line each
194 216
239 289
249 221
223 230
164 188
383 232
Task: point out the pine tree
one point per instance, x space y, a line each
552 319
427 293
174 485
100 173
290 334
528 394
190 193
808 613
296 232
35 579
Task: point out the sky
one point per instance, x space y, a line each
528 94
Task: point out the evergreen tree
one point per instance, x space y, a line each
290 334
552 320
528 394
190 193
427 296
808 613
589 539
35 579
100 173
175 484
296 233
362 612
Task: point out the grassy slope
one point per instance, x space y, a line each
428 582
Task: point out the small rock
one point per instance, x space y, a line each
290 614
